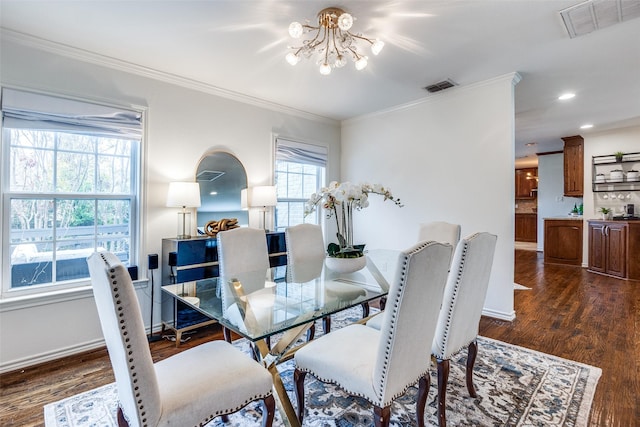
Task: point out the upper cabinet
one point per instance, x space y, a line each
526 183
573 166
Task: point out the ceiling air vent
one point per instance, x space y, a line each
437 87
593 15
209 175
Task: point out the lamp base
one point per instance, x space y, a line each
184 225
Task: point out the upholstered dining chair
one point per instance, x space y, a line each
241 250
459 317
379 365
437 231
190 388
305 245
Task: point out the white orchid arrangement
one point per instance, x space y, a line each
339 200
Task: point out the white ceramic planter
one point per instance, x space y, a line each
345 265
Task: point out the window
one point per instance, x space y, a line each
300 170
70 188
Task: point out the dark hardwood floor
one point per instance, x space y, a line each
568 312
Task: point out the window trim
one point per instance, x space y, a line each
138 210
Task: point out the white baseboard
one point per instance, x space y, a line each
50 356
510 317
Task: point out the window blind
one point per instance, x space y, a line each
27 110
298 152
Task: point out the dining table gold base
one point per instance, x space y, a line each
280 352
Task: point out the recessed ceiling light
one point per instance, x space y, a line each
566 96
530 144
586 126
214 193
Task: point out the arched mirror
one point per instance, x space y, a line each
221 177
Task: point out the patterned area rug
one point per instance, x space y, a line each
516 387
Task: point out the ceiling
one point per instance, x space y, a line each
239 46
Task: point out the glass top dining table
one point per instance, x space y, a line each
259 304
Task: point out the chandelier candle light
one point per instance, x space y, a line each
332 41
340 199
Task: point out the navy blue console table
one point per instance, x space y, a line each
186 260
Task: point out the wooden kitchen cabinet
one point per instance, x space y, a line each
526 183
526 227
614 248
563 241
573 166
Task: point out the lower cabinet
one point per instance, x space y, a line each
563 241
614 248
526 227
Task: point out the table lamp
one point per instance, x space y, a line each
183 195
264 197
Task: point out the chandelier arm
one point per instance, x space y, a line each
335 45
327 38
355 53
324 36
312 43
360 37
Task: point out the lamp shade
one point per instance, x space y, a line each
183 194
264 196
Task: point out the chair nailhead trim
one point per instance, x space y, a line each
231 411
115 294
447 329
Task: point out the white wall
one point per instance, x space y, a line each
598 144
182 124
451 158
551 199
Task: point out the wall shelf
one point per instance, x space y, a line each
605 164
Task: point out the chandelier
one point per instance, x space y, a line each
331 41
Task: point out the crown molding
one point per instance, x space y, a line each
132 68
514 78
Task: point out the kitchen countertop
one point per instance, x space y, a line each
571 218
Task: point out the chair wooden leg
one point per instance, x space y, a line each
326 324
472 352
268 410
311 332
365 309
122 421
298 379
383 303
227 334
443 377
382 416
423 393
